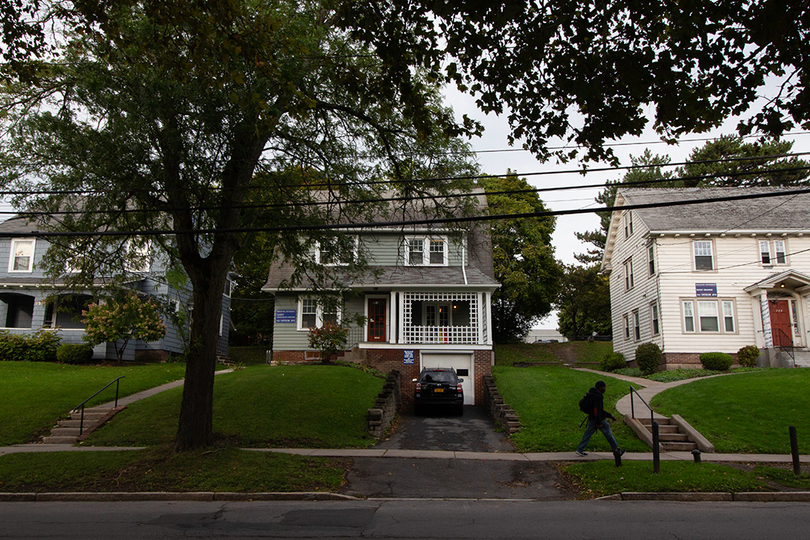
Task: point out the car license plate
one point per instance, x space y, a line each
438 389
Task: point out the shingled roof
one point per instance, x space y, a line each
782 213
479 271
770 213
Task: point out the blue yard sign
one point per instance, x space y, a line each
407 357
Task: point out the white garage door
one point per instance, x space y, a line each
462 363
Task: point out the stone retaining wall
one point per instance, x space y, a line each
385 407
502 413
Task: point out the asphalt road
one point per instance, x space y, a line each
405 519
474 431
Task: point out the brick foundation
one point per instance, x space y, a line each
670 361
388 360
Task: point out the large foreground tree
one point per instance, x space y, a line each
146 123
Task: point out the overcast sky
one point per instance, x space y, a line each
565 243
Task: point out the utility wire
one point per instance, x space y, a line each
476 177
420 197
404 223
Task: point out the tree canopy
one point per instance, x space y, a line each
590 72
523 258
147 123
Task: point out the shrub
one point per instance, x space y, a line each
74 353
330 339
38 347
716 361
612 361
747 356
648 357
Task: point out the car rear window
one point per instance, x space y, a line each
439 377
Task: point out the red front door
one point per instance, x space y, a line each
376 319
781 325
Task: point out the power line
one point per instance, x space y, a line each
330 185
404 223
434 197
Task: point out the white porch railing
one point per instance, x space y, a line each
450 335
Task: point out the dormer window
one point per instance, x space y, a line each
426 251
22 255
339 251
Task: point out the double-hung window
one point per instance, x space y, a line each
315 313
656 329
337 251
626 327
636 325
628 274
704 254
651 259
709 316
22 255
628 224
426 251
772 252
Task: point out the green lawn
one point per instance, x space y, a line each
746 413
573 352
595 479
262 406
36 395
157 469
546 400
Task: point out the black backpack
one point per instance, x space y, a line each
586 403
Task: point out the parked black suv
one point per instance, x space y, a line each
438 386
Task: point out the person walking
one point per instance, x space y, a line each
598 419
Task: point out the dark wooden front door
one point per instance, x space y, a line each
781 325
376 319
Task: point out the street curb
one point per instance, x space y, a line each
757 496
204 496
209 496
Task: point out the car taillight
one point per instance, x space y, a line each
418 386
458 388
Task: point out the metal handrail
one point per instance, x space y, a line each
117 382
784 338
653 426
633 407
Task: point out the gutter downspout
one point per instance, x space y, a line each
464 260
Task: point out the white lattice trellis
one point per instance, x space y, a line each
450 334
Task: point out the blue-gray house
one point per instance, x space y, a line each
31 301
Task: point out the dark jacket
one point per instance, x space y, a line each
598 402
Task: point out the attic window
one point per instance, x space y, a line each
426 251
628 224
22 256
339 251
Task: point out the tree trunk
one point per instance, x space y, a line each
195 428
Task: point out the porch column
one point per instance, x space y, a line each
393 328
488 302
767 335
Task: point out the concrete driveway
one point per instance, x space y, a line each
481 478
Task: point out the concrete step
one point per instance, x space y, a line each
679 446
673 437
65 432
661 421
60 440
